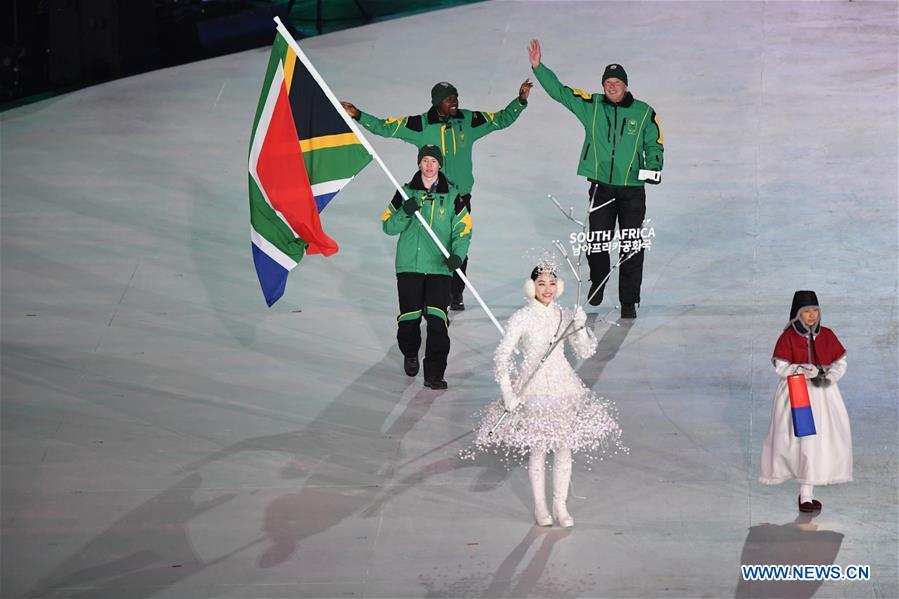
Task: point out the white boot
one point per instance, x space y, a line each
806 493
536 465
561 479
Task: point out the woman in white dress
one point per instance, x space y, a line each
550 409
825 458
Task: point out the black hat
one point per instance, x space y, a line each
802 299
442 91
432 151
616 71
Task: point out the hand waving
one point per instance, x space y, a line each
525 90
534 54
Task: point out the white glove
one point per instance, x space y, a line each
510 401
809 370
580 317
653 177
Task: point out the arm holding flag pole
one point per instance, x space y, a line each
355 129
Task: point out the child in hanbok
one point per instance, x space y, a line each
550 410
825 458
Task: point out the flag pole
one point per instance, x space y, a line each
301 56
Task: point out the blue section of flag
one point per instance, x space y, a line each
323 199
272 276
803 421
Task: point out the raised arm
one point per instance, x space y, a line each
407 128
484 123
577 101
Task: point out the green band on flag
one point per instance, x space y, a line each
330 164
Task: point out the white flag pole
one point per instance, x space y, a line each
355 129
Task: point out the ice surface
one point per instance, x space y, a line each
165 434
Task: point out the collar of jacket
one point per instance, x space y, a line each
417 183
803 330
538 305
626 101
434 118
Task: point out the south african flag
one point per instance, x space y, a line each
302 152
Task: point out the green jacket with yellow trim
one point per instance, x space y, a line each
445 212
455 136
619 140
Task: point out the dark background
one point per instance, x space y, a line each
48 47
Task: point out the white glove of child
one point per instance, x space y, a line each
510 401
809 370
580 317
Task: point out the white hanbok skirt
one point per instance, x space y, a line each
824 458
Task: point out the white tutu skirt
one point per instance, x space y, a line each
583 423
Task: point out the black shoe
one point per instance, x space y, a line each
628 310
595 299
809 506
410 365
456 303
435 382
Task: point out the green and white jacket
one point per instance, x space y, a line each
619 139
454 136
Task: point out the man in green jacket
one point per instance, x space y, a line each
454 131
622 149
423 275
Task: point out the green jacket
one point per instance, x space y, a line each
454 136
445 213
619 139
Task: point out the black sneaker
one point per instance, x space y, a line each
596 299
628 310
410 365
456 303
435 382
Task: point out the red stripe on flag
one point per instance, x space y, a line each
282 174
798 389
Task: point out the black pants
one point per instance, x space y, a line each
458 285
428 296
629 208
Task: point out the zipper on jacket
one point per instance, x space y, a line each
587 149
614 145
443 129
